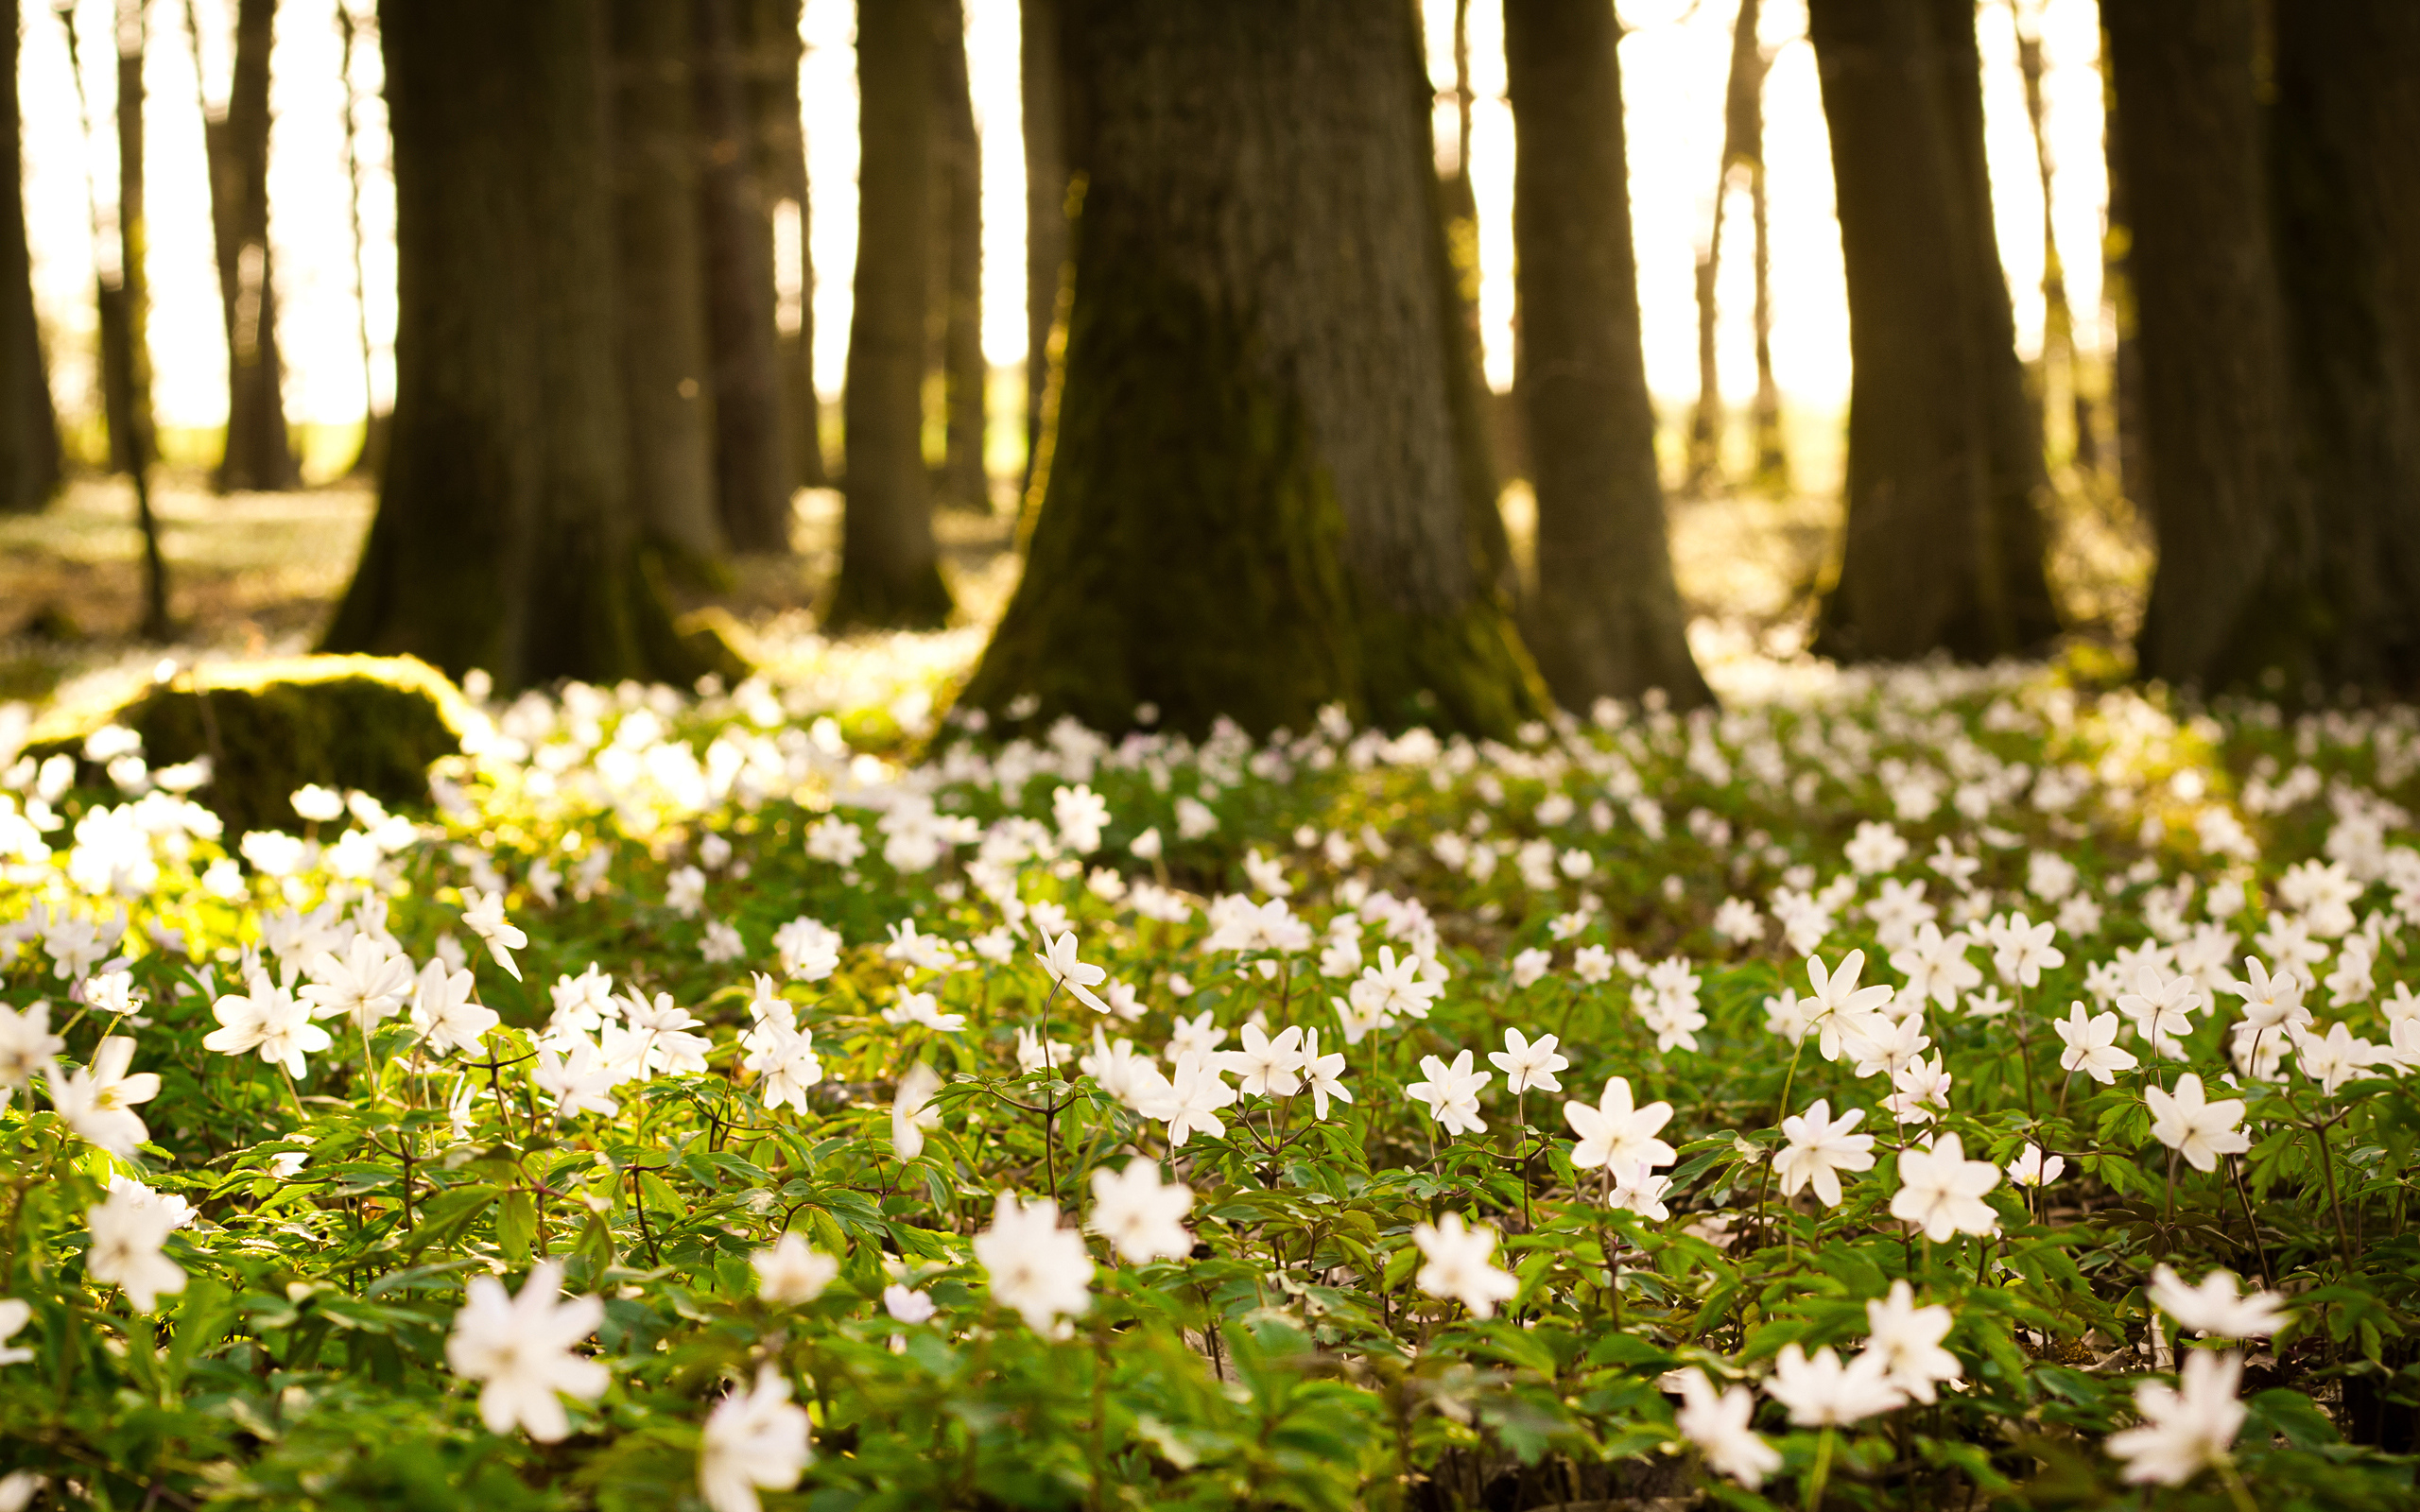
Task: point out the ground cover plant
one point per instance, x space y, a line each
1916 1088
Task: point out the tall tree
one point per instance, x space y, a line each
1043 96
2060 370
957 310
890 566
1743 160
504 537
29 425
1255 502
2230 515
372 458
259 454
1944 549
125 320
752 465
667 366
1607 621
774 45
2346 151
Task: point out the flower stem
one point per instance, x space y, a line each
1823 1470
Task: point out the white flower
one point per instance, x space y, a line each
97 1100
128 1229
520 1349
1080 813
754 1438
790 1274
1530 966
1451 1093
1717 1425
483 913
1196 1035
1033 1266
1396 987
14 1314
912 1112
910 1006
1190 1100
1908 1338
2021 950
1593 964
1458 1264
1322 1074
1264 1067
2032 1168
1820 1148
1140 1216
1941 1191
1840 1007
369 983
2092 1045
684 891
1638 1189
27 1045
907 1305
809 951
2213 1306
443 1013
1527 1063
2336 1057
1615 1131
270 1020
2199 1130
1822 1392
2184 1432
1064 968
578 1082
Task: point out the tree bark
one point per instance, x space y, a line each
1046 209
890 567
259 454
371 459
957 311
1743 149
781 146
1944 549
2230 516
1255 503
2345 144
126 380
29 458
667 366
751 470
1607 622
504 537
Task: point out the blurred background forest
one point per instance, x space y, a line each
807 281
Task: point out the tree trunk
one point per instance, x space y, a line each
1743 149
2230 517
258 455
1607 621
2346 174
666 363
957 311
890 568
752 472
1944 549
2062 373
1045 208
1253 504
126 324
28 426
371 459
504 537
781 146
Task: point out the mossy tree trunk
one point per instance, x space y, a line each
2345 155
1043 98
29 425
259 454
1944 548
667 369
1607 621
504 537
890 566
752 465
774 45
2216 467
1254 503
957 312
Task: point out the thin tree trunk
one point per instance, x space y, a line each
781 146
1772 447
125 320
1944 549
2123 413
29 460
2230 516
1254 505
258 453
890 566
1608 621
2345 135
752 472
1743 149
957 312
504 537
667 366
2061 374
1046 210
371 459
